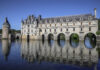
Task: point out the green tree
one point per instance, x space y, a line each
0 31
98 24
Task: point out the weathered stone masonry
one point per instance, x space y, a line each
36 27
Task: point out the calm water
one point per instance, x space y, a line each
53 55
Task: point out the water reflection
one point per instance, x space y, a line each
51 42
6 45
61 43
90 43
37 51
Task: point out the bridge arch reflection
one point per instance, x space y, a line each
37 51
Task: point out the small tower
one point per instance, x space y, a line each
5 29
95 12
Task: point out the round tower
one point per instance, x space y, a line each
5 29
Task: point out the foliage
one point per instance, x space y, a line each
74 37
0 31
62 36
98 32
98 50
13 31
98 24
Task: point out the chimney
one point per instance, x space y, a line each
95 13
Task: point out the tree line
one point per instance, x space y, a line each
12 31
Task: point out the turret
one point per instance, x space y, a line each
5 29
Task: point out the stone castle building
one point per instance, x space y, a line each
38 28
8 33
6 29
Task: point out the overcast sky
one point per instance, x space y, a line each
16 10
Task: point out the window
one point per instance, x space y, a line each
40 30
89 23
67 29
55 24
81 23
58 20
50 30
50 25
74 29
47 21
52 20
61 29
28 25
61 24
55 30
81 28
89 28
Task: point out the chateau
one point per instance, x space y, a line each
38 28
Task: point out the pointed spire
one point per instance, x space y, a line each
6 20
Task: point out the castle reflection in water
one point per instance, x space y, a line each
52 52
46 51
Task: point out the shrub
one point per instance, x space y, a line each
98 32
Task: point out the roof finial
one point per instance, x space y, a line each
95 13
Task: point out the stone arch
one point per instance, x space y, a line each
89 33
74 40
90 38
61 39
61 36
50 36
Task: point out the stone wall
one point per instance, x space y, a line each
44 27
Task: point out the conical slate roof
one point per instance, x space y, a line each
6 22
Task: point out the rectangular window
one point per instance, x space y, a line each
55 30
50 30
73 29
50 25
61 29
67 29
81 29
89 28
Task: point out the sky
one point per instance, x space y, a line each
16 10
